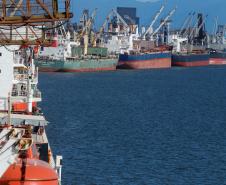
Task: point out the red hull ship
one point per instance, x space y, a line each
190 59
218 57
150 60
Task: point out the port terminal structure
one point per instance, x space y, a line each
30 16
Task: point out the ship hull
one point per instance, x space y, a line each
218 58
89 65
190 60
145 61
49 65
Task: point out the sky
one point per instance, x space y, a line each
147 8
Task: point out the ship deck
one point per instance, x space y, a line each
18 119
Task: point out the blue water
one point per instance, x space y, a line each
152 127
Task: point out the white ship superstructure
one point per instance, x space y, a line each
22 125
61 48
18 79
25 154
6 76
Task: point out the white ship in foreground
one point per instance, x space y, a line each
25 154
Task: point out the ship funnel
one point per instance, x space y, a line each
55 40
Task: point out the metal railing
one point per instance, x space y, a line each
18 60
37 94
21 77
22 93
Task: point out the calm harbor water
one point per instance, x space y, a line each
152 127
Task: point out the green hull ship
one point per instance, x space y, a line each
97 59
77 65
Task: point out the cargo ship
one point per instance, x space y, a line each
77 65
190 59
143 50
218 57
25 154
69 57
148 60
188 55
190 43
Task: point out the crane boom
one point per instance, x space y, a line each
89 23
215 26
23 22
164 21
189 24
155 19
120 18
203 22
92 18
200 26
24 12
187 20
105 23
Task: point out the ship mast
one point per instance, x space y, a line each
9 108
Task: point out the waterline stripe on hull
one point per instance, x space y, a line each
145 64
217 61
191 64
77 70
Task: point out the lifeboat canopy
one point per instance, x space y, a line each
30 172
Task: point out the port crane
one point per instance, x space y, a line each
150 28
186 23
120 19
196 28
87 31
164 22
112 13
23 20
89 23
101 31
102 28
215 25
187 29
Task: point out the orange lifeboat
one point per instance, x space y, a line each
21 106
30 172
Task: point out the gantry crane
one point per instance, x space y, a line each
197 28
187 27
186 23
20 20
87 31
164 22
150 28
112 13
